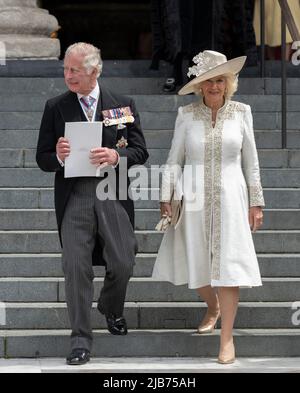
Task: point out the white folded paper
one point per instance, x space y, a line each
82 136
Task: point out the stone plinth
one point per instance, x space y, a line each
26 29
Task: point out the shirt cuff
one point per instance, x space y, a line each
60 161
118 161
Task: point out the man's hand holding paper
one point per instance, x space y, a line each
63 149
102 156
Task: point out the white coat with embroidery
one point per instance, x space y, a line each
212 244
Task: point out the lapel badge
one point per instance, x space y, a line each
116 116
122 143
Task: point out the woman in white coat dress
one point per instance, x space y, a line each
211 248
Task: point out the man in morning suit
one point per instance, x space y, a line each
92 231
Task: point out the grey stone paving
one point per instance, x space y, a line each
152 365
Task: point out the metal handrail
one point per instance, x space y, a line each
283 82
290 21
262 39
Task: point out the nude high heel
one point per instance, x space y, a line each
227 360
209 327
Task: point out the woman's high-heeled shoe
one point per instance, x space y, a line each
227 359
209 327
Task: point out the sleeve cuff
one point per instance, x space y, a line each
62 164
256 196
118 160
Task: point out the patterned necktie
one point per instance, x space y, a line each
88 103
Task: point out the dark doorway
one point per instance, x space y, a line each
121 29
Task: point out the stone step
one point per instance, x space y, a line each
151 343
29 177
153 365
155 139
145 219
149 120
261 120
16 139
20 289
124 68
275 198
129 69
34 177
43 198
140 85
24 102
265 139
268 158
26 198
49 265
149 315
149 241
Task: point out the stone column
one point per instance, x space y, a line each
25 30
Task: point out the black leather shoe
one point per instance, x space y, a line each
117 326
78 357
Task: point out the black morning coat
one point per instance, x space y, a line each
66 108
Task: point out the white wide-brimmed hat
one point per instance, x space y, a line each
209 64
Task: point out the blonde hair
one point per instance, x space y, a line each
231 86
91 54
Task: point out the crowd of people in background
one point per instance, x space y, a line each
180 29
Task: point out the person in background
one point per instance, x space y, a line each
179 30
273 27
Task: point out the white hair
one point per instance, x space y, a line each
231 85
91 54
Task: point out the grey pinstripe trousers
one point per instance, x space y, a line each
85 217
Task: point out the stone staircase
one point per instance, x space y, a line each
162 318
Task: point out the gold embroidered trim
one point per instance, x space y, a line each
217 179
190 108
208 184
213 173
256 196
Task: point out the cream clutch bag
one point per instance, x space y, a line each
163 224
166 221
